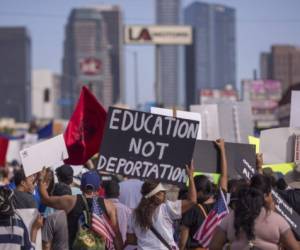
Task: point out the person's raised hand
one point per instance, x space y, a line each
190 169
220 143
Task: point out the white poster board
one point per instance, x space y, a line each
295 110
181 114
277 145
210 120
44 154
28 216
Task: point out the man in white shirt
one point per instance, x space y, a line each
130 192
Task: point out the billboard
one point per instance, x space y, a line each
157 34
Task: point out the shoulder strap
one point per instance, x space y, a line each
86 209
158 235
203 210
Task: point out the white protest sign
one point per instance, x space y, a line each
28 216
210 120
277 145
44 154
180 114
295 111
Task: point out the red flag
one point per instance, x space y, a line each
85 129
3 150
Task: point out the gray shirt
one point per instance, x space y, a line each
24 200
55 230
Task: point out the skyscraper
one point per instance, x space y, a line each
281 64
15 73
113 18
167 56
87 59
210 60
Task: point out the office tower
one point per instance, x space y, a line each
113 17
15 73
283 63
86 59
167 56
210 60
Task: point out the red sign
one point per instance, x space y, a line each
90 66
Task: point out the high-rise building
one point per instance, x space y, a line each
45 94
167 56
210 60
15 73
113 17
281 64
87 59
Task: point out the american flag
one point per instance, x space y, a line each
101 225
215 216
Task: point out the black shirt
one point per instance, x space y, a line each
193 219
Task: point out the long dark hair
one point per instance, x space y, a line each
144 211
247 209
262 183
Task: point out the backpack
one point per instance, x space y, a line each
86 238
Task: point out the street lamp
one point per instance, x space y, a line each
136 76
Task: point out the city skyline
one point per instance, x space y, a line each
210 62
257 30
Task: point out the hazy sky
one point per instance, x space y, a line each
260 23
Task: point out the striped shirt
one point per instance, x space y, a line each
14 235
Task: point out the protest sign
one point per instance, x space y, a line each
207 157
281 206
295 113
43 154
180 114
147 146
277 145
210 120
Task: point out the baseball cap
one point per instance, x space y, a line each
90 179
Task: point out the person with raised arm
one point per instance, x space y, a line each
150 225
206 192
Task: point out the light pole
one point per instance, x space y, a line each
136 76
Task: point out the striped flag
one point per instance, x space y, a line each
101 225
215 216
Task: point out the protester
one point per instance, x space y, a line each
130 192
13 232
74 205
150 225
64 175
23 197
112 191
4 176
55 229
251 225
193 218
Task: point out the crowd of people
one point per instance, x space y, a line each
99 211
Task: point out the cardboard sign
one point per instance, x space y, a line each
207 157
147 146
181 114
44 154
277 145
295 113
210 120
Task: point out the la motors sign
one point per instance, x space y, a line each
167 35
